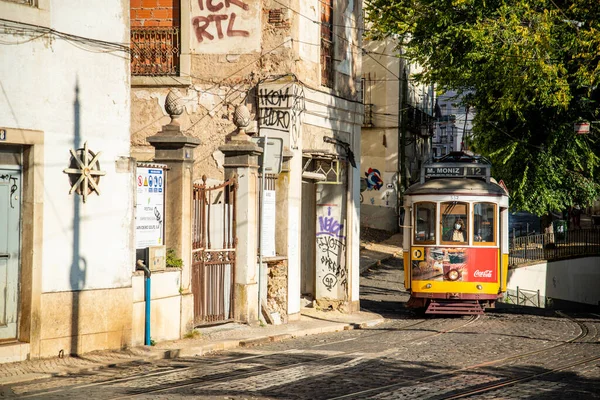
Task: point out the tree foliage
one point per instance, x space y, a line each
530 69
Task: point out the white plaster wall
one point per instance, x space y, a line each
342 119
574 280
309 31
382 72
165 306
531 277
39 79
240 27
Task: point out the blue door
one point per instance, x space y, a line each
10 238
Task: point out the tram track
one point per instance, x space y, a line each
227 374
584 332
514 381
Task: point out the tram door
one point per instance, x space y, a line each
10 234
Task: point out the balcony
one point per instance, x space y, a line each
155 51
419 121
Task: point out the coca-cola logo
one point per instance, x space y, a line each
482 274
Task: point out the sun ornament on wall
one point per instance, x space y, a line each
84 171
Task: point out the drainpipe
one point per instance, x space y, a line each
141 266
261 225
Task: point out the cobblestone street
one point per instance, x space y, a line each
509 353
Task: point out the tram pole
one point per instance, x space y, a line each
403 102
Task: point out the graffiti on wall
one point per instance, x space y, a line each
280 109
331 251
222 23
374 181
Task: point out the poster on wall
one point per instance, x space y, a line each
457 264
149 215
267 244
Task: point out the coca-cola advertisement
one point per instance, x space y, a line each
455 264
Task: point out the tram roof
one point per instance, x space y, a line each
465 186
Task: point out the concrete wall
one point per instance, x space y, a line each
165 306
575 280
379 166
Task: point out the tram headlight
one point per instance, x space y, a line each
479 287
453 275
428 286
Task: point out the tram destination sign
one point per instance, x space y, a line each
451 171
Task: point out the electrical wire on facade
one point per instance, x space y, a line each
38 32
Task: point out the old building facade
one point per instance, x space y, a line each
396 134
295 65
66 180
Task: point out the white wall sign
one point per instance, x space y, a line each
225 26
150 202
268 229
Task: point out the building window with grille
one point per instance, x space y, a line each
155 38
32 3
326 42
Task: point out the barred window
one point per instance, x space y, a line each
155 38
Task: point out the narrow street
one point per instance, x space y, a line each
507 353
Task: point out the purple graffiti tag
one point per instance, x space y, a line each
329 226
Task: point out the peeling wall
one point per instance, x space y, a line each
277 288
226 69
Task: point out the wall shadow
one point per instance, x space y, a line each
78 263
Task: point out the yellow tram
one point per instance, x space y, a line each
455 236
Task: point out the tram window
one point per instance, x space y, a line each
424 222
484 226
454 222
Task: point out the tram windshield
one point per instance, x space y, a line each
424 222
454 222
484 222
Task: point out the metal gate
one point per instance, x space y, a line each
213 251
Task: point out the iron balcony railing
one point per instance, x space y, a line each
155 51
554 246
417 118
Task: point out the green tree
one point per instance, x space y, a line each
529 69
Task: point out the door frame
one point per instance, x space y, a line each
32 216
13 170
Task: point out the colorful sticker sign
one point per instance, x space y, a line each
457 264
149 215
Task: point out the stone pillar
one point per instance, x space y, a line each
241 160
176 150
280 105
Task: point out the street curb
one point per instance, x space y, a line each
195 351
24 378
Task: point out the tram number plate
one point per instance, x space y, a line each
475 171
